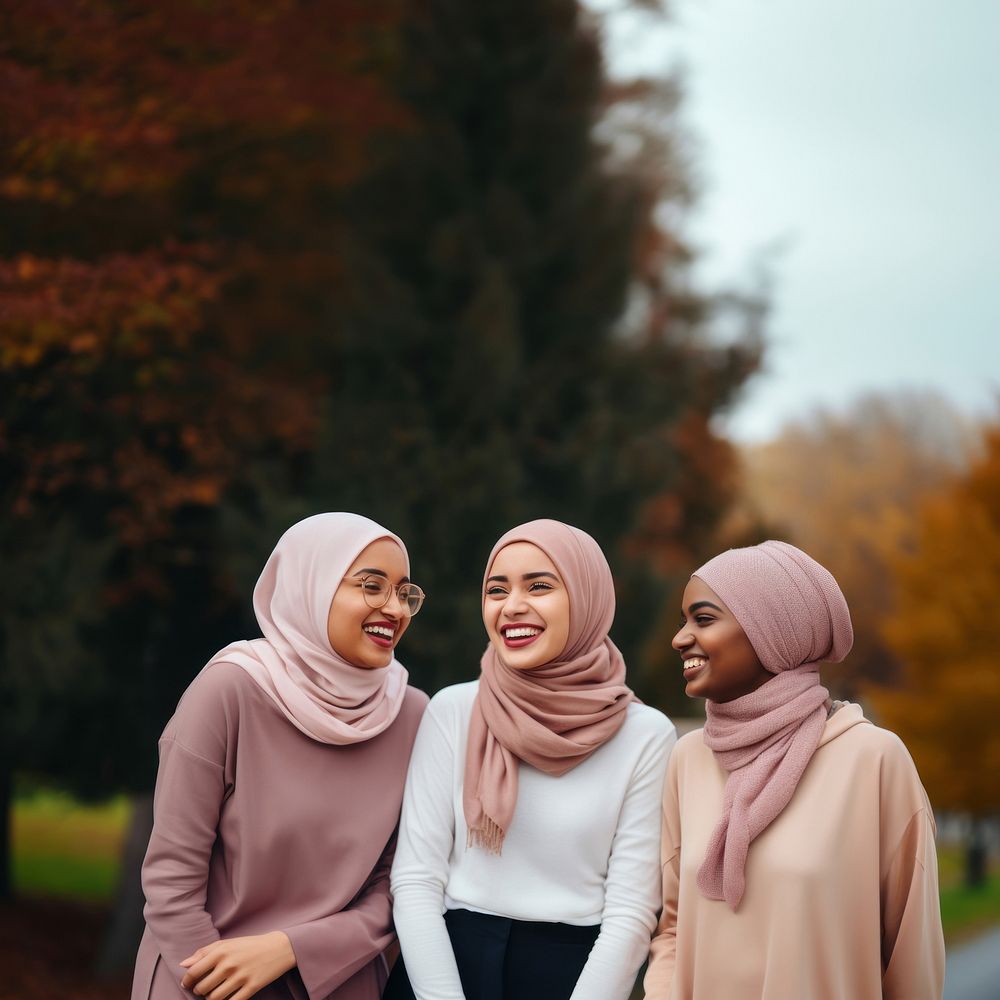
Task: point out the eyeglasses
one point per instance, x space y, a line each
377 591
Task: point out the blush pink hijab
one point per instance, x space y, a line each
556 715
795 616
314 687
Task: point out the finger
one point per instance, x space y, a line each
199 970
208 984
223 991
194 956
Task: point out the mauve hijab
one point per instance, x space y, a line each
322 694
556 715
795 616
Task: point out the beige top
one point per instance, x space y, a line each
841 900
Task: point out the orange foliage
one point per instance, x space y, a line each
947 635
846 488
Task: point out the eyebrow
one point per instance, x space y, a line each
371 571
526 576
703 604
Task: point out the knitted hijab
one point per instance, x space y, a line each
556 715
328 698
795 616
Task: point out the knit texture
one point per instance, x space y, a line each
795 616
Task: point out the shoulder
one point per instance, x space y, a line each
220 687
415 702
453 701
646 722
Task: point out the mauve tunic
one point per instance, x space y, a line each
257 827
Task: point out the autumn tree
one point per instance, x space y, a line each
407 259
169 185
845 486
946 635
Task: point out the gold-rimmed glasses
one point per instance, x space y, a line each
377 591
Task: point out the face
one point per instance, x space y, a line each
363 635
525 607
719 662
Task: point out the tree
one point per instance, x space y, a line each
845 486
268 259
169 184
518 263
946 635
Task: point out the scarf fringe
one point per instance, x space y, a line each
489 837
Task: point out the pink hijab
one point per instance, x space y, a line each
316 689
795 616
554 716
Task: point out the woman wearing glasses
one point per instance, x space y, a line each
528 861
280 780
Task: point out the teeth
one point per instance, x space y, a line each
379 630
694 661
521 633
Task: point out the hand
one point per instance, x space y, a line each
236 968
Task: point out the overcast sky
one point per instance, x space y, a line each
859 142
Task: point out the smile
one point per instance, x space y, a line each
693 664
518 636
381 635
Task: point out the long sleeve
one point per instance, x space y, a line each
663 950
912 941
329 950
632 887
420 869
186 804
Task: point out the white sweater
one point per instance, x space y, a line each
582 849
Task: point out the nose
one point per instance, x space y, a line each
682 639
515 602
394 606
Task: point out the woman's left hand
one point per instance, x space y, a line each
236 968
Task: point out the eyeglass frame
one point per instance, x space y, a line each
389 591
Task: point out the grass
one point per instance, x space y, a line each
965 911
63 848
69 850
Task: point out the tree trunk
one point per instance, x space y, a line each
125 926
6 821
975 853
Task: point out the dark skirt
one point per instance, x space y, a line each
503 959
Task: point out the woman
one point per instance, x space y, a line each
798 842
530 819
280 780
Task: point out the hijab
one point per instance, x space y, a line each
795 616
553 716
325 696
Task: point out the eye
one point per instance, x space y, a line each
495 591
372 586
704 619
539 585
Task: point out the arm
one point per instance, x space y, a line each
331 950
912 941
327 951
186 805
420 869
663 951
632 886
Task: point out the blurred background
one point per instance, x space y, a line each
686 278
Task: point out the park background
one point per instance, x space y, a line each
455 265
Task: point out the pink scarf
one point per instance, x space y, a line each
795 617
554 716
316 689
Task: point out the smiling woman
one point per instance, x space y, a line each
527 865
280 780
